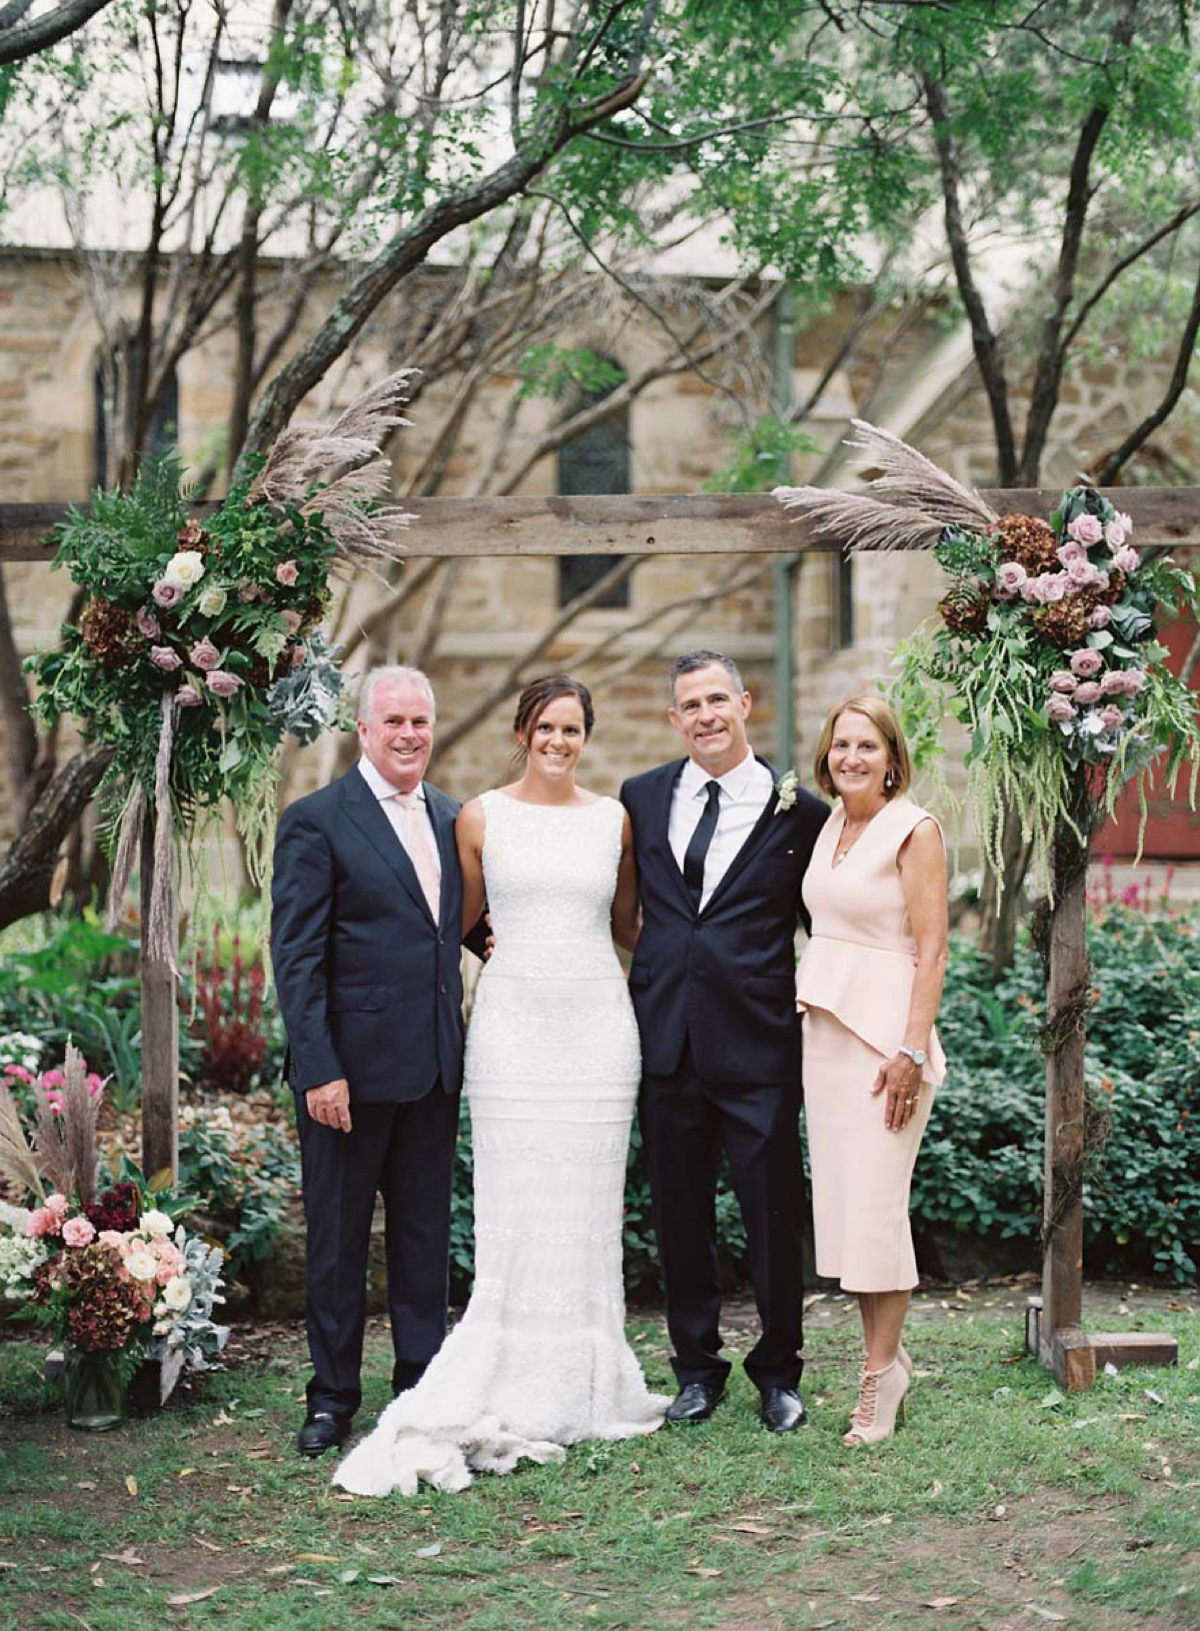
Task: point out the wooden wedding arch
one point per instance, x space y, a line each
749 524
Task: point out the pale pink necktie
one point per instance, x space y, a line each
420 849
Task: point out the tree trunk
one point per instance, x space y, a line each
160 1037
1000 907
28 868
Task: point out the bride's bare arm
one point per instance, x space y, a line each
626 907
468 835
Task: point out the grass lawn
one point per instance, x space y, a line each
1001 1504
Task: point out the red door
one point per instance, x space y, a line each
1172 829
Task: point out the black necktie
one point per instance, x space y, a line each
697 850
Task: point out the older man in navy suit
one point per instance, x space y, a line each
721 854
365 934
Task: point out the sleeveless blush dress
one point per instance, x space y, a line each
854 985
539 1360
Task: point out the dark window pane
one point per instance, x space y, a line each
844 603
597 461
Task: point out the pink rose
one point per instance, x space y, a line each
1114 535
1135 679
1063 680
291 621
187 696
205 655
113 1238
147 623
167 592
1049 587
223 684
248 591
1111 717
1126 560
1072 550
1113 683
1029 591
78 1232
1010 576
1086 529
1082 573
41 1221
1087 693
1060 709
166 659
1101 617
286 573
59 1205
1086 663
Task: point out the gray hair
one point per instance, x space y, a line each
693 660
399 674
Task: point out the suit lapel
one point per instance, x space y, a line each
662 828
363 808
753 842
443 827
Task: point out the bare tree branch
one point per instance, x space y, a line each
21 40
1175 389
28 868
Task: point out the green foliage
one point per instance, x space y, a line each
981 1163
554 371
760 456
238 1188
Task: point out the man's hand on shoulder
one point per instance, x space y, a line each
330 1105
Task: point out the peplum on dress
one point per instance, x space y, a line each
854 985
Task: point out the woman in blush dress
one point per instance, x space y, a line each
539 1359
869 986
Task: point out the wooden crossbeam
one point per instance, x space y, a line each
644 523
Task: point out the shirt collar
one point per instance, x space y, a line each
694 780
380 786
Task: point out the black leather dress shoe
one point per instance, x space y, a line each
322 1431
695 1401
782 1409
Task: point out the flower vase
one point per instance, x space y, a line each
95 1391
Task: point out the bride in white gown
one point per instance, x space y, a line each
539 1359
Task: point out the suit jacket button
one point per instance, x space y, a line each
444 988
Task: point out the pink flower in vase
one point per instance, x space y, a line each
1118 530
1082 574
1072 550
1126 559
1059 709
205 655
1049 588
167 593
78 1232
1086 529
224 684
1101 617
1087 693
1086 663
147 623
286 573
166 659
1064 681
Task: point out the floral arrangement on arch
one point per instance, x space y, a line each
198 647
109 1270
1046 648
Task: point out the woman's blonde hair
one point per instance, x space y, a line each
883 717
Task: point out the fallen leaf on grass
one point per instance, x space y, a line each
430 1551
865 1597
280 1568
316 1557
939 1602
1046 1613
131 1484
208 1545
86 1483
129 1557
186 1472
349 1576
1052 1400
704 1573
182 1598
748 1528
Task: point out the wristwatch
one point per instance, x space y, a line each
917 1055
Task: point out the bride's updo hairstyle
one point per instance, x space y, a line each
537 697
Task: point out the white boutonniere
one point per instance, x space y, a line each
786 788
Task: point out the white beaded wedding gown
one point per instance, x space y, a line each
539 1359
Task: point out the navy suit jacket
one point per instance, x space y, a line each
370 987
723 978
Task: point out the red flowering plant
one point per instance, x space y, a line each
109 1270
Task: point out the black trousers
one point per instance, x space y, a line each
687 1122
405 1152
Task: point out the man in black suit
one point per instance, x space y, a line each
365 932
721 852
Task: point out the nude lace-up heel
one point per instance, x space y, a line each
880 1401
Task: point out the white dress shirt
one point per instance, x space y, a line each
745 791
388 797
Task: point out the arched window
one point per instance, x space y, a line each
164 427
595 461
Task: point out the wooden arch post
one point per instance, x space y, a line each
745 524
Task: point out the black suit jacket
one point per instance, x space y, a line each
723 978
370 987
